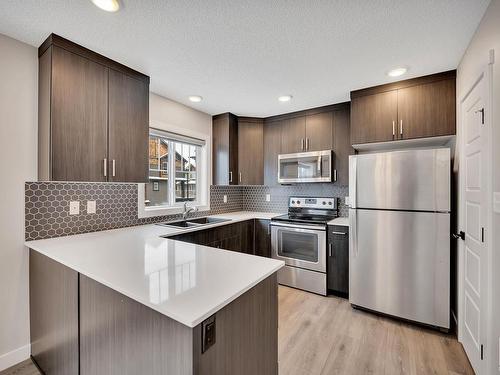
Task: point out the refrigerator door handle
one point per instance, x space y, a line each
353 178
353 235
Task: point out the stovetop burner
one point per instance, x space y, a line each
310 210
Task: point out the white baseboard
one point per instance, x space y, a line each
11 358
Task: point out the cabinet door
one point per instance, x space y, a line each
272 148
262 242
128 128
293 134
427 110
225 150
250 153
341 146
319 131
338 259
79 116
372 117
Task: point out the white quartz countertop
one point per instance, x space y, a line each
343 221
183 281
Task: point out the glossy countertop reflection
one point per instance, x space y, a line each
183 281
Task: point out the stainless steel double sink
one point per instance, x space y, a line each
193 223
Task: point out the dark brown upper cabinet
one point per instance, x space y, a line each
225 149
250 151
128 137
427 110
92 111
414 108
319 130
272 148
341 145
373 117
293 133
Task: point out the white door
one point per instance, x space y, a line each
474 209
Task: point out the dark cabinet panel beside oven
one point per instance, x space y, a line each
338 259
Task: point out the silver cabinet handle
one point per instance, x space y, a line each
340 233
393 128
330 249
302 144
230 176
401 127
334 175
240 176
114 168
307 144
105 167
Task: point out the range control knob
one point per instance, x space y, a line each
324 203
298 202
330 203
293 202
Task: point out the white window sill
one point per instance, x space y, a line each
172 210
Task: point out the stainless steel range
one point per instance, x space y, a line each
299 239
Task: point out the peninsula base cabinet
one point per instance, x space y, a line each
79 326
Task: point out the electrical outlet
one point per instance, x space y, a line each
268 197
91 207
74 208
225 198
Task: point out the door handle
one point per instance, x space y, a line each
307 144
113 168
460 235
334 175
240 176
302 144
339 233
330 249
105 167
400 127
230 176
393 128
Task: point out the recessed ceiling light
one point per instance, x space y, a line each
397 72
107 5
285 98
195 98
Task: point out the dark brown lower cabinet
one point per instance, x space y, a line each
338 259
80 326
262 238
249 237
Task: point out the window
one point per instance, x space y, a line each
175 163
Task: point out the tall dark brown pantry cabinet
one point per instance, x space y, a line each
93 116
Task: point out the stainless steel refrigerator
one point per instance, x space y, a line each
399 217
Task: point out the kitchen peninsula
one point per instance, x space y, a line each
131 301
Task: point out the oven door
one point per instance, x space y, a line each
301 246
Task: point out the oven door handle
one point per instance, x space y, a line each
299 226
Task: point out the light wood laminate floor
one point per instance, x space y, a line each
319 336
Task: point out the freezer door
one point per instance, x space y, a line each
399 264
401 180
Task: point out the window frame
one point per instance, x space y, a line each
203 172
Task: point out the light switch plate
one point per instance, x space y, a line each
225 198
91 207
496 202
74 207
347 201
268 197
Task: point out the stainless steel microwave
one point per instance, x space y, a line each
315 166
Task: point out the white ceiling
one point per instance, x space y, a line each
240 55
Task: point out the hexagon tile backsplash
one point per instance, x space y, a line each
47 205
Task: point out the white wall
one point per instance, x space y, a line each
163 111
18 163
487 37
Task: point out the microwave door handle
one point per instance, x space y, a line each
319 167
